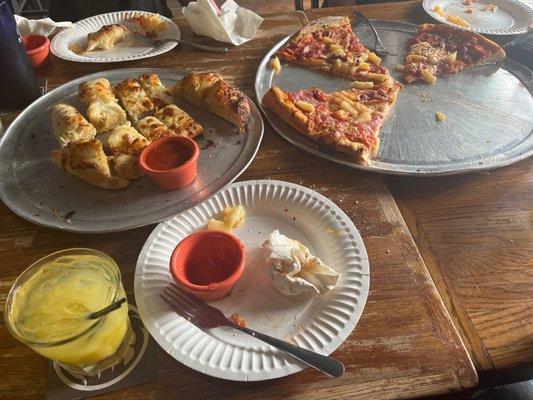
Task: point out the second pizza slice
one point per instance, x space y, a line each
329 44
348 121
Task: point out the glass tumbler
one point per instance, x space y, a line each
48 307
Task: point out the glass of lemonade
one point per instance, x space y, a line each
48 306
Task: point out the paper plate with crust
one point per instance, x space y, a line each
66 41
320 323
510 17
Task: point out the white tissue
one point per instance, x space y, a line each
294 270
43 27
234 24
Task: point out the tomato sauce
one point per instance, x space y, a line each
209 269
168 155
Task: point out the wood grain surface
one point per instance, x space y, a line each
475 235
405 344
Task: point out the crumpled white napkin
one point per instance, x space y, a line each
43 27
231 24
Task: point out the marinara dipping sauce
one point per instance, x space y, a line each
208 263
171 161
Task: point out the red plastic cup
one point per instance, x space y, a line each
207 264
38 48
171 161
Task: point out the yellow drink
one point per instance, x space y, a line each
49 304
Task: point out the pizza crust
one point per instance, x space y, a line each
320 24
276 100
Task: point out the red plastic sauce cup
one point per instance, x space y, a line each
38 48
171 161
207 264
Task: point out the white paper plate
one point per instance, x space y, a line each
511 17
126 50
313 322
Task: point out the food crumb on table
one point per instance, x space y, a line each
440 117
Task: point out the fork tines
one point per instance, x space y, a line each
183 303
142 39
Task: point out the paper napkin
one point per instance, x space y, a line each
43 27
231 23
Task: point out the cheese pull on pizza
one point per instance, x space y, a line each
212 92
348 121
439 49
106 37
330 45
103 109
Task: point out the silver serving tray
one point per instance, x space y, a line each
37 190
489 113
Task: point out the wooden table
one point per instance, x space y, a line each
406 343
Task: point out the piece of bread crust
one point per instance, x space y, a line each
319 24
228 103
87 161
194 87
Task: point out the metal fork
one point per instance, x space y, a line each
205 316
379 47
155 43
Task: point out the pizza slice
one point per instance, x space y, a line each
329 44
439 49
348 121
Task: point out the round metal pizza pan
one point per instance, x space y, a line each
35 189
489 113
510 18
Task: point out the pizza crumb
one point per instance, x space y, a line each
275 65
440 116
438 10
490 8
239 320
399 67
76 49
467 2
455 19
469 11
